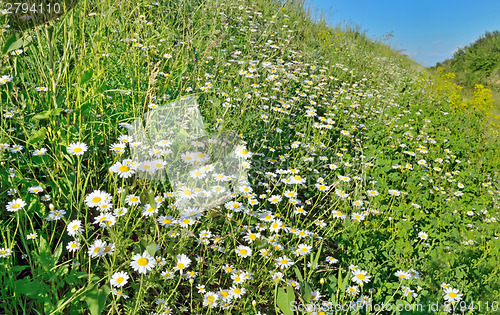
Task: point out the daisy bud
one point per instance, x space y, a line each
51 207
321 280
254 302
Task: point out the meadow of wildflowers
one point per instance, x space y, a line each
365 179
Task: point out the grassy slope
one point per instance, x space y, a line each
387 115
478 63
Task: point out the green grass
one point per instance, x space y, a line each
349 119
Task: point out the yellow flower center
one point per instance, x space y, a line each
360 276
243 251
97 249
124 168
119 280
284 262
96 199
452 294
142 262
77 150
16 205
75 227
188 192
181 266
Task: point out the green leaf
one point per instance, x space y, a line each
297 273
12 44
284 300
18 268
305 291
96 299
39 135
58 252
151 249
87 75
30 288
314 262
42 115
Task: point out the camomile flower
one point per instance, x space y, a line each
105 206
210 299
402 274
96 249
237 292
423 235
274 199
331 260
414 274
32 236
250 237
167 274
243 251
284 262
225 294
120 211
40 152
74 228
119 279
243 153
322 187
149 210
73 246
96 198
197 174
131 200
352 290
186 193
5 252
77 148
35 189
360 277
237 277
105 220
357 216
119 293
142 263
183 262
166 220
124 170
118 148
15 205
451 295
275 226
303 249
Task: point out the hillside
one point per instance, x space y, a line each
477 63
200 157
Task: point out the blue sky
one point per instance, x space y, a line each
428 31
